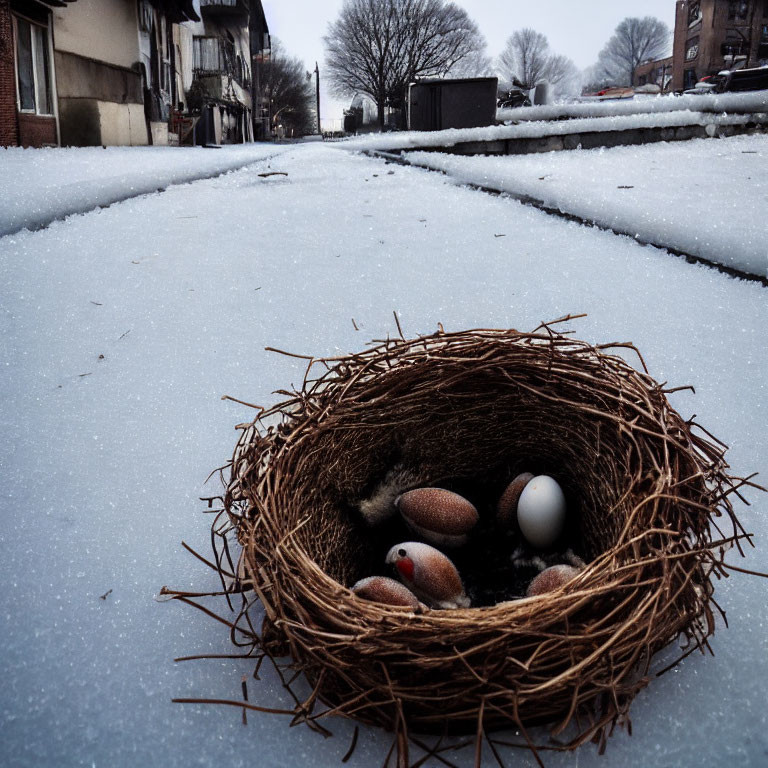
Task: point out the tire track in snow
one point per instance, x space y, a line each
34 221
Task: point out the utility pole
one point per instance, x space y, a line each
317 90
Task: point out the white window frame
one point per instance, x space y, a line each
51 84
164 51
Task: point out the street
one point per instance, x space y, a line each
121 330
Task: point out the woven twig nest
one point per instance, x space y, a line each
648 495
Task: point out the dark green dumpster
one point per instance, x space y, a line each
435 104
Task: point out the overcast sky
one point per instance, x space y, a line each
575 29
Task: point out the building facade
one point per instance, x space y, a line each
9 130
28 99
217 72
655 73
128 72
713 35
261 49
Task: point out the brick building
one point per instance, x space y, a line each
712 35
9 134
658 72
123 72
28 108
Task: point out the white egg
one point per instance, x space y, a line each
541 511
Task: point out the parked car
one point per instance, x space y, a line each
514 97
733 81
617 92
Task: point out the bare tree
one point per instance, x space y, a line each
377 47
563 74
634 41
475 64
287 85
527 59
524 57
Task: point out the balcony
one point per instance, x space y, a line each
228 9
218 57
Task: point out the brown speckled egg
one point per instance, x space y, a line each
551 579
506 509
440 517
382 589
429 573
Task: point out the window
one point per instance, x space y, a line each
692 48
166 43
33 78
145 15
207 55
762 48
735 44
694 13
689 78
738 10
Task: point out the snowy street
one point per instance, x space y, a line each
122 328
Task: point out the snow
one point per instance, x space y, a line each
104 458
707 198
49 184
450 137
730 103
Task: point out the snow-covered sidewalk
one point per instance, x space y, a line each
121 329
705 197
42 185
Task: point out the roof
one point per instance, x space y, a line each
451 81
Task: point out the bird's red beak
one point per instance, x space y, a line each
405 566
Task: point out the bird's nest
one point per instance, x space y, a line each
649 494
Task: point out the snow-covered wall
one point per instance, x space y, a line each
756 101
540 129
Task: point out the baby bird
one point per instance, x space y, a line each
380 505
429 573
522 558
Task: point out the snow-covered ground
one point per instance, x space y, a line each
53 183
705 197
121 329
